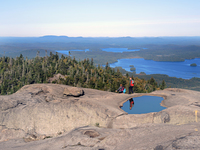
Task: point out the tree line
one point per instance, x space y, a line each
20 71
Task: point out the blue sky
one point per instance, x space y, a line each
102 18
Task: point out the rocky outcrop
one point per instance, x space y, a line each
183 108
45 110
73 91
143 137
65 117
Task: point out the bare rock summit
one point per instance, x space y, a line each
53 117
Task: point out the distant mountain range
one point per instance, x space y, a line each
104 40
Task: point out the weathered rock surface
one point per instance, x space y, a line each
73 91
50 112
43 109
144 137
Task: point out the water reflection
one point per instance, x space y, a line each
131 103
143 104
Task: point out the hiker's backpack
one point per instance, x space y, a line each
124 91
132 83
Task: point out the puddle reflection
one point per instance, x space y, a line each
143 104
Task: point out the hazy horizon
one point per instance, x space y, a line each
89 18
96 36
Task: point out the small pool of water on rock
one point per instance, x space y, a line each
144 104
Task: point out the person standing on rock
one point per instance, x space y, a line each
131 84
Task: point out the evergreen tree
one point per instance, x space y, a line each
15 73
163 85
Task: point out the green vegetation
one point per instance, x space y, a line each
154 52
159 49
15 73
193 65
173 82
142 73
97 124
47 137
170 52
163 85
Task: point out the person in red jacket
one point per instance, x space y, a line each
131 84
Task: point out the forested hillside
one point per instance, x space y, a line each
15 73
156 48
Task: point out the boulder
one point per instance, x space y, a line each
73 91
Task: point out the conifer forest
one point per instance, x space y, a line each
20 71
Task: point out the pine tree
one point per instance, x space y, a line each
163 85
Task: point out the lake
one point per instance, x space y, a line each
144 104
66 52
119 50
172 69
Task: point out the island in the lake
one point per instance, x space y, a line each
132 68
193 65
